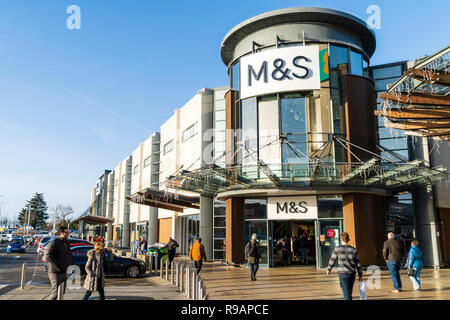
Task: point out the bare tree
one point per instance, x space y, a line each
60 215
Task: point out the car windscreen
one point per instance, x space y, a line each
45 240
16 241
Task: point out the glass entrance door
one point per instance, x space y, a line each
328 239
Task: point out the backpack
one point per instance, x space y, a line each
252 252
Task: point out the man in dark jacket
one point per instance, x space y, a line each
172 247
59 258
393 253
253 256
348 262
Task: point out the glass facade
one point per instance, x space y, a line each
294 126
255 215
219 230
392 139
190 229
235 76
219 126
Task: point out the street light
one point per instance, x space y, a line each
1 212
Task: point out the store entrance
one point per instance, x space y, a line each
293 243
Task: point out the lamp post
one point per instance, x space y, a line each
28 224
1 212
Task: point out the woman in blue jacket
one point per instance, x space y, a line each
415 262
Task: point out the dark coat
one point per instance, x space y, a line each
257 256
95 271
393 250
172 245
58 256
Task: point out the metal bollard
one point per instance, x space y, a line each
22 278
171 273
176 275
60 292
181 277
167 269
200 289
194 285
150 264
187 283
161 268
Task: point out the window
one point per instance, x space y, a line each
147 161
80 252
190 132
255 209
387 72
116 182
168 147
339 59
136 169
293 113
235 76
293 123
124 176
356 63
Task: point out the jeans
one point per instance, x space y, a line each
100 290
254 269
416 279
198 266
303 254
394 270
347 280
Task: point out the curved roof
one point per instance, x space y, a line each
296 15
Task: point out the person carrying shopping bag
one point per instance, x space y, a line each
415 264
95 270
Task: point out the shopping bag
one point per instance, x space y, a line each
363 290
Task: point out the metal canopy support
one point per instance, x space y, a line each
269 173
358 171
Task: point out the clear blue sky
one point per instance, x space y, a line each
75 102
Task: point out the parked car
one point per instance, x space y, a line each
16 245
72 242
44 240
120 266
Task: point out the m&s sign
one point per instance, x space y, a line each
280 70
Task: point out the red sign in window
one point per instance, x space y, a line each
331 233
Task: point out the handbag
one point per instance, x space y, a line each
411 271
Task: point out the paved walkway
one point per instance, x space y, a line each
147 288
294 283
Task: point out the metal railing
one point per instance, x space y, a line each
179 273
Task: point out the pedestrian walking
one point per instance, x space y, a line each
95 270
415 264
172 246
393 253
348 264
285 251
253 256
59 258
198 254
303 247
99 239
143 245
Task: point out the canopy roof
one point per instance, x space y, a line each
165 200
419 102
93 219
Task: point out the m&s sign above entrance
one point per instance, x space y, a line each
280 70
292 208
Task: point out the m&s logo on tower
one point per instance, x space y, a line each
280 70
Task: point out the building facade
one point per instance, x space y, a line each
290 149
